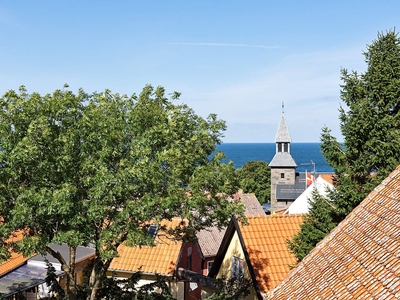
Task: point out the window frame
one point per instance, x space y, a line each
209 265
237 269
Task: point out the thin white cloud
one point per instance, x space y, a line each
227 45
308 83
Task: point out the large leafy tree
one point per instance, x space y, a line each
95 168
370 125
255 177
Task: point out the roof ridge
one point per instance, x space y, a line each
274 216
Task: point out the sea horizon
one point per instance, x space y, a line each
307 155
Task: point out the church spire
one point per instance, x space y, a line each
282 134
282 156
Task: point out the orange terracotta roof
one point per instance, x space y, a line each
16 259
160 259
265 239
327 177
359 259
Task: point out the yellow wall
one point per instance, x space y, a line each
225 271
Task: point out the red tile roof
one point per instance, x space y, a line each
359 259
264 242
160 259
16 259
265 239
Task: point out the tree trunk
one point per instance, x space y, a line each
98 274
71 285
69 269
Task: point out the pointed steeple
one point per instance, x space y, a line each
283 135
282 157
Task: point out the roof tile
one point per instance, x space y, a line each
266 243
359 259
16 259
160 259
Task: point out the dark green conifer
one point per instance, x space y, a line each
317 224
370 125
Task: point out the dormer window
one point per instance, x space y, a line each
153 230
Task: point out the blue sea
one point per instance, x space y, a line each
303 153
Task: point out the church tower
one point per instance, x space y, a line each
283 168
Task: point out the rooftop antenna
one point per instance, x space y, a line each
313 164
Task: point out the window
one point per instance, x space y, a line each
279 147
237 268
282 175
153 230
209 265
286 147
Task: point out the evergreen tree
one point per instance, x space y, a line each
316 225
370 125
255 177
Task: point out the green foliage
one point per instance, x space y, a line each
95 168
231 289
53 283
316 225
255 177
126 289
370 124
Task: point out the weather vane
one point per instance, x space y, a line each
283 107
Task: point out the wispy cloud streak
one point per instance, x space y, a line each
227 45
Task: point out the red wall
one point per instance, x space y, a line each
191 250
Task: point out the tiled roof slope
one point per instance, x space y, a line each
265 239
16 259
359 259
160 259
252 205
210 238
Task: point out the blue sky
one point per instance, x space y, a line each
238 59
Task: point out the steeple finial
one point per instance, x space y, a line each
283 107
